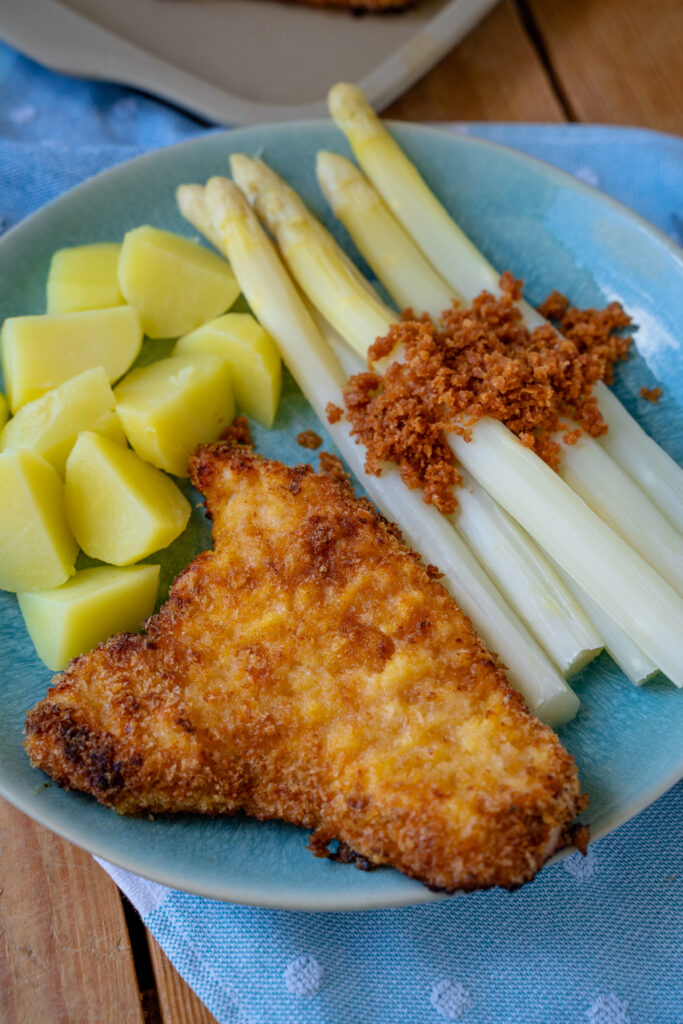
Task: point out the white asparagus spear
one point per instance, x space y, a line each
613 574
357 313
567 636
525 577
586 466
190 200
621 582
399 183
277 304
630 658
461 264
642 458
408 277
621 503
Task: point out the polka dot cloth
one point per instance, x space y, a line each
451 1000
579 867
303 976
608 1009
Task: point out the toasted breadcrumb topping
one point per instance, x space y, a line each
331 465
434 572
334 412
483 361
309 439
651 394
238 432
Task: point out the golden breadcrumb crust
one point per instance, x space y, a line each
309 668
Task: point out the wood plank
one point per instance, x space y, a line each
178 1003
64 951
493 75
618 62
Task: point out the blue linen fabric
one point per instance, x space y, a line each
594 940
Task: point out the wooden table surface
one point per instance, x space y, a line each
71 950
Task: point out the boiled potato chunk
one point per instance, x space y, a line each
91 606
41 352
49 425
253 358
175 284
171 406
4 410
37 548
84 277
120 508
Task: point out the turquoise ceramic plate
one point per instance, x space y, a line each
547 228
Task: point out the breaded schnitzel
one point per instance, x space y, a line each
309 668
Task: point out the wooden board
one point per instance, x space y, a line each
64 950
493 75
617 61
177 1001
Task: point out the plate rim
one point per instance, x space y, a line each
409 895
397 128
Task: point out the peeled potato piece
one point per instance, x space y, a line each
174 283
41 352
84 277
91 606
120 508
253 358
171 406
37 548
49 425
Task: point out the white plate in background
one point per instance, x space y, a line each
239 61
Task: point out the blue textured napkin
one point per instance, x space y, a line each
594 940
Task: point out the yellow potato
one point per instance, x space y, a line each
49 425
41 352
91 606
37 548
171 406
4 410
120 508
175 284
253 358
84 277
